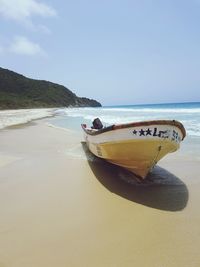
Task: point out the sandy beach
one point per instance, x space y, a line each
59 206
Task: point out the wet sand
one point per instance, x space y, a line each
60 206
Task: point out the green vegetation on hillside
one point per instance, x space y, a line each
18 91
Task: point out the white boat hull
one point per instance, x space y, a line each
137 146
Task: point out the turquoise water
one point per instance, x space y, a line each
187 113
161 106
71 118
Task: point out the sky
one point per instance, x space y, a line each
117 52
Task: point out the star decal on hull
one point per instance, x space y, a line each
154 132
148 132
142 132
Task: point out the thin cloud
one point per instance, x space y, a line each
23 46
22 10
44 29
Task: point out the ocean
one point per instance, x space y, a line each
21 116
71 118
187 113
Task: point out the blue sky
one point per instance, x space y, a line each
118 52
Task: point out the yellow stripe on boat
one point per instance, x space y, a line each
136 146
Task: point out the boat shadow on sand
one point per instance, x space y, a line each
160 190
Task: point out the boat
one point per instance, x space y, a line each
136 146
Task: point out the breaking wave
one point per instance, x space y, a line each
21 116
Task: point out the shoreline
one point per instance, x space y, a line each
17 117
61 206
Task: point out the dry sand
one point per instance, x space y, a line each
59 207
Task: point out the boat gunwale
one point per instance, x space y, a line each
135 124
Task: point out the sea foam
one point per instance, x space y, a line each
20 116
189 115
